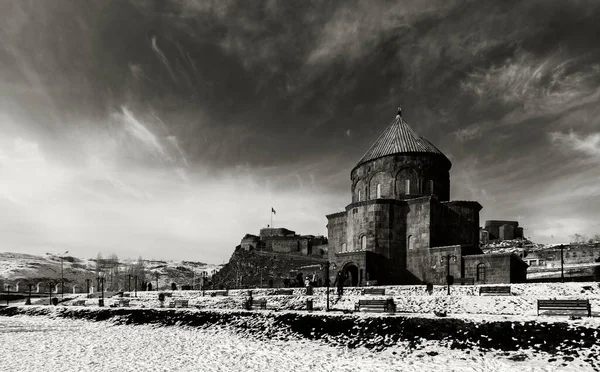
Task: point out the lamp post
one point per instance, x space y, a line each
87 282
157 275
129 283
50 284
562 268
448 256
327 281
135 285
62 276
101 281
29 299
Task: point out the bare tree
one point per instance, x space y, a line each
578 238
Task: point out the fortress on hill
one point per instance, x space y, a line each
400 226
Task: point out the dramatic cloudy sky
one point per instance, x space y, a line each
168 129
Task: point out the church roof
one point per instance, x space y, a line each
398 138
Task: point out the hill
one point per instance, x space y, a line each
254 268
25 269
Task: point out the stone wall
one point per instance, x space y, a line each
250 242
336 233
506 232
456 222
418 223
495 268
288 245
392 171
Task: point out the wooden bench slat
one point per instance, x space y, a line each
564 305
498 290
376 305
374 291
257 304
219 293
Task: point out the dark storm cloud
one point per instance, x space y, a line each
283 96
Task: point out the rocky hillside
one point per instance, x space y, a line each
249 269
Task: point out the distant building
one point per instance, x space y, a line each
503 230
578 261
281 240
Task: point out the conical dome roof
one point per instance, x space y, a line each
399 138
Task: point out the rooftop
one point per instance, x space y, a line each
399 138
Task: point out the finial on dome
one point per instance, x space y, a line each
400 111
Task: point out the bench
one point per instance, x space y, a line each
387 306
374 291
179 303
284 292
465 281
564 306
218 293
495 291
79 303
256 304
124 302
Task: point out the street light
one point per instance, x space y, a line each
101 281
448 256
327 280
135 285
562 269
62 276
157 275
50 285
7 293
87 282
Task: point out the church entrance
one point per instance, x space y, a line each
350 272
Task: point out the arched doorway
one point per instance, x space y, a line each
350 272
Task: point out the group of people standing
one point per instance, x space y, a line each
341 280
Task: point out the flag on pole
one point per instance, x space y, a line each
273 211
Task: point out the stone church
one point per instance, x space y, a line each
401 226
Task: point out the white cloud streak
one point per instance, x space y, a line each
585 144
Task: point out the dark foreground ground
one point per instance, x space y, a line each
561 340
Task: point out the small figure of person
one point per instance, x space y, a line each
339 282
309 287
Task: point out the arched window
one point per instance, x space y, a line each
378 190
359 195
431 187
363 242
407 186
481 272
344 247
409 242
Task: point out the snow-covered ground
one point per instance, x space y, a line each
46 344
